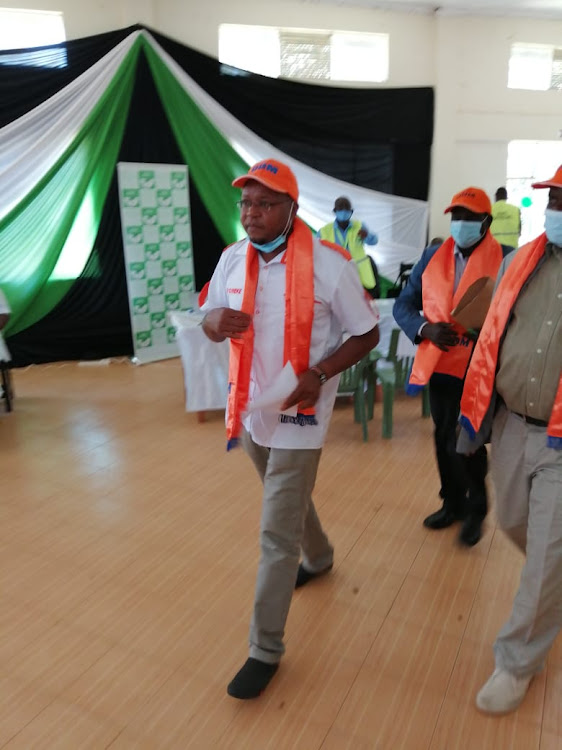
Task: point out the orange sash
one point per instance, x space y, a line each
479 383
438 300
299 315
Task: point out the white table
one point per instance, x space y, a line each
205 364
386 325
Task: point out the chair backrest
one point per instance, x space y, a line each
351 378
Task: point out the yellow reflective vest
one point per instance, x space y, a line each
354 245
506 223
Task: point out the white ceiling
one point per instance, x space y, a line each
524 8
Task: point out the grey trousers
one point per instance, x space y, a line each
528 480
289 527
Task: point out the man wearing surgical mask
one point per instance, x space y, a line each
353 235
423 310
514 384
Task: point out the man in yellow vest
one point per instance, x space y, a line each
506 220
353 235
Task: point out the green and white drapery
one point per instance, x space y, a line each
57 162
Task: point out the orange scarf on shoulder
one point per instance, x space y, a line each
299 314
438 301
481 375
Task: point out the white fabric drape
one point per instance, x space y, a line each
400 223
31 145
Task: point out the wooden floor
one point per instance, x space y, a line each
127 566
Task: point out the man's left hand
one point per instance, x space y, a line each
306 393
363 233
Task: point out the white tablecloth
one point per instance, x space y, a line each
205 364
4 352
386 324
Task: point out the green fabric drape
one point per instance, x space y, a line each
213 163
34 233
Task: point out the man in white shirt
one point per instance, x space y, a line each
4 310
283 296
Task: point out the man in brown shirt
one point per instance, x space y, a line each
521 342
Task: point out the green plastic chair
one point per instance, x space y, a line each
359 381
392 372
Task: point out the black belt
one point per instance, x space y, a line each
532 420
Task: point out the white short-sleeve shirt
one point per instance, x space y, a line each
339 305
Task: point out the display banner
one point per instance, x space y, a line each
156 225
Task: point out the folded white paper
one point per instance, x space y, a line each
272 398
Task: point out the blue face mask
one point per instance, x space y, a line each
269 247
343 216
553 226
466 233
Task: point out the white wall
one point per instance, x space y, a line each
464 58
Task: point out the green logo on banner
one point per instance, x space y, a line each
149 216
155 286
167 233
164 197
131 198
169 268
152 251
179 180
143 339
186 283
146 178
158 320
172 301
134 235
140 305
183 249
137 271
181 215
171 335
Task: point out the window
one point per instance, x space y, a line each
535 66
305 54
22 29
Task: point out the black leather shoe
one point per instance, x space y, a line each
471 531
304 575
252 679
441 519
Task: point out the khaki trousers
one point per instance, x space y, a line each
289 527
528 480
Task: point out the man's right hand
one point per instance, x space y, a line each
443 335
224 322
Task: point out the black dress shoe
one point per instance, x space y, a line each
441 519
304 575
471 531
252 679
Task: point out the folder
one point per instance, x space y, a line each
472 308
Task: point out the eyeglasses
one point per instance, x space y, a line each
265 206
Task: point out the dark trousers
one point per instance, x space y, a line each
463 486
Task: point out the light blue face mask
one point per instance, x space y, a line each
553 226
269 247
466 233
343 215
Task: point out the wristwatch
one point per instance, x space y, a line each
321 374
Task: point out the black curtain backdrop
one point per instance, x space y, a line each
379 138
375 138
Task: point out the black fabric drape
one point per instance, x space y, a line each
23 87
92 320
378 138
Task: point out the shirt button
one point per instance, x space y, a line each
549 322
539 351
531 403
559 296
533 380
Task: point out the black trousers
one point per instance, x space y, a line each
463 486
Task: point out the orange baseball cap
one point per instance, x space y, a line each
472 198
555 181
274 175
